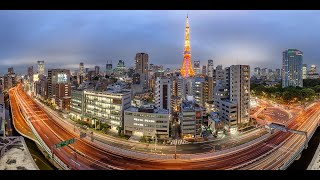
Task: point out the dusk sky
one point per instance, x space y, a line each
66 38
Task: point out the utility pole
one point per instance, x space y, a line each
175 150
155 143
52 151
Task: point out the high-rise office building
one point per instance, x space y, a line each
313 72
190 118
59 87
186 69
81 69
185 87
210 68
313 69
97 70
196 67
264 72
304 71
163 93
292 60
278 74
204 70
240 91
142 63
203 90
257 72
30 73
10 70
120 69
41 67
109 69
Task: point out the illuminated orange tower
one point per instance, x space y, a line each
187 70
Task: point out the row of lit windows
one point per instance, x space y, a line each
136 124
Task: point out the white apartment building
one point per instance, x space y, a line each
106 106
240 91
185 86
210 68
232 100
147 121
162 93
190 119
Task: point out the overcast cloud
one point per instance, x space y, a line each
66 38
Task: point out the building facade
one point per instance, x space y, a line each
210 68
196 67
232 97
292 60
204 70
147 121
59 88
240 91
109 69
107 106
76 104
304 71
41 67
97 70
142 64
256 72
81 69
162 93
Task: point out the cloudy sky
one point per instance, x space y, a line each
65 38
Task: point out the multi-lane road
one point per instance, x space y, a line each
19 123
269 153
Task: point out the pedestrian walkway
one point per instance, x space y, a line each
315 162
14 154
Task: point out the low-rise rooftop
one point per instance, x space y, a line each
145 109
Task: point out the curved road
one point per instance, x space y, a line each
92 156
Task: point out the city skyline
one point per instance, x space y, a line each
69 37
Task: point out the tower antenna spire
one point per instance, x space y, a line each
187 70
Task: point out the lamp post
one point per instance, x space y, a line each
155 142
175 150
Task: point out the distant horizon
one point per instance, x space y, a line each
66 38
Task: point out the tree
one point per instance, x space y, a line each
307 93
96 78
119 130
316 88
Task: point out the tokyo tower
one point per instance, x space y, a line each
187 70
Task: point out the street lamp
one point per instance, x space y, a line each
155 142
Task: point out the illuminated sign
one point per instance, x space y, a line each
62 78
